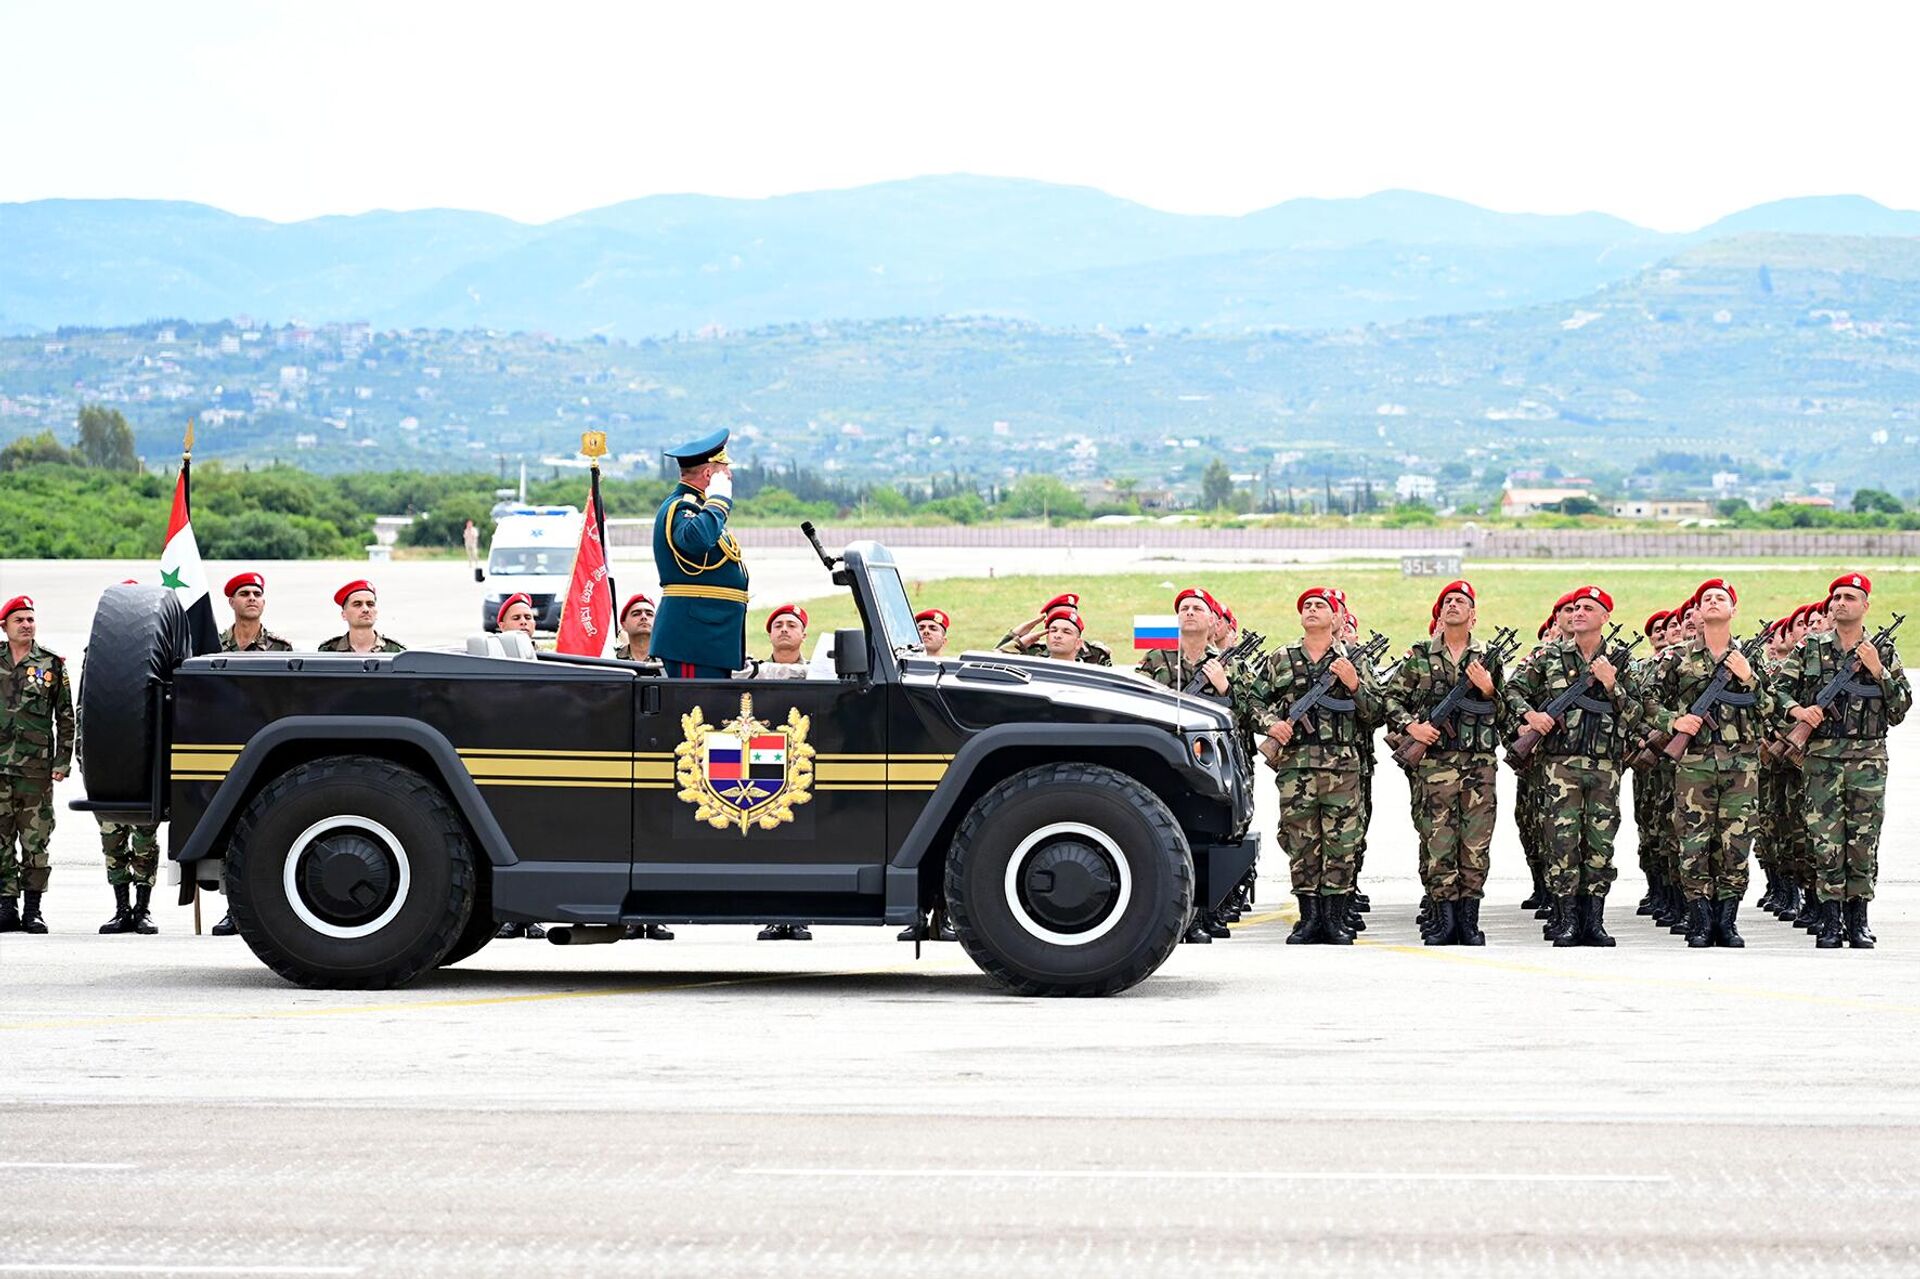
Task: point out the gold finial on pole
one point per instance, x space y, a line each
594 445
187 448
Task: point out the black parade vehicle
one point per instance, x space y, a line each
371 818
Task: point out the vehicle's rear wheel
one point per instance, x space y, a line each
350 872
1069 879
481 927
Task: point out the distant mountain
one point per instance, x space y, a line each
932 246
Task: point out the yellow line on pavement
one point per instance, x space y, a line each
1286 916
484 1001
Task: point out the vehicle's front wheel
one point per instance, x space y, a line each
1069 879
350 872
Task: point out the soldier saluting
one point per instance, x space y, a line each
700 630
1452 763
1313 710
1716 773
1599 708
1846 755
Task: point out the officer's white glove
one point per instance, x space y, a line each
720 484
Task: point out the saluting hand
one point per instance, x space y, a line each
1603 671
1870 658
1738 664
1216 674
1481 680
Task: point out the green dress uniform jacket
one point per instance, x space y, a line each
702 616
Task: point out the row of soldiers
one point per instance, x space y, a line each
1699 714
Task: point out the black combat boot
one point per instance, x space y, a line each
1215 925
31 921
1767 893
9 914
1699 923
1197 934
1334 913
1538 897
1646 903
533 931
1563 927
1361 902
142 915
225 928
122 921
1808 916
1859 936
1307 931
1827 935
1467 923
1423 917
1683 914
1593 921
1726 923
1444 927
1355 921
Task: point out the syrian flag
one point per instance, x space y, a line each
586 619
181 570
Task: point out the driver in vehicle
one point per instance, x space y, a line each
933 624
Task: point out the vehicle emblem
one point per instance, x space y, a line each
744 772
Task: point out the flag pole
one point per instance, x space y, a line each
594 445
186 463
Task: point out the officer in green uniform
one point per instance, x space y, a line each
247 596
1454 783
1316 760
1579 796
1846 759
700 629
1175 668
1030 636
360 609
36 748
1717 780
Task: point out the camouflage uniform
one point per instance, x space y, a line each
1165 667
132 850
1717 782
1092 652
1453 784
339 644
36 741
1578 802
1320 773
624 651
1846 766
265 642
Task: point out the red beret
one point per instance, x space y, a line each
340 596
239 580
1195 593
1858 581
1326 593
1544 628
638 597
1228 614
1715 583
1798 612
1462 585
500 617
1654 620
936 616
18 604
1069 600
1818 606
1069 614
794 609
1586 593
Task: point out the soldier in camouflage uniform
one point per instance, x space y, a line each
360 609
36 749
1530 778
1350 636
1580 760
1717 780
1650 814
1317 763
1175 668
1773 847
1846 759
1030 636
1454 784
247 596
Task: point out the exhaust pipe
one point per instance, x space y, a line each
585 934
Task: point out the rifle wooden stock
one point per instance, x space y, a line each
1649 753
1410 752
1523 746
1677 746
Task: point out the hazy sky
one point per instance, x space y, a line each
1670 114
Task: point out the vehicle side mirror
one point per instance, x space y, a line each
850 653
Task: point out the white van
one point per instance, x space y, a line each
532 552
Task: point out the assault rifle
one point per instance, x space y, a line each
1322 696
1248 645
1792 748
1575 695
1460 698
1674 745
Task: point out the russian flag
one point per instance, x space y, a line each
1156 631
723 758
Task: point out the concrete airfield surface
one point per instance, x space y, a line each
717 1106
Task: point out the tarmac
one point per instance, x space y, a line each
718 1106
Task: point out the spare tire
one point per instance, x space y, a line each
139 636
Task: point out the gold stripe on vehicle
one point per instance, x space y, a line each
609 769
827 771
550 781
480 751
898 772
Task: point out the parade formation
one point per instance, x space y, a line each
1768 747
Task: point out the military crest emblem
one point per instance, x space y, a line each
742 773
